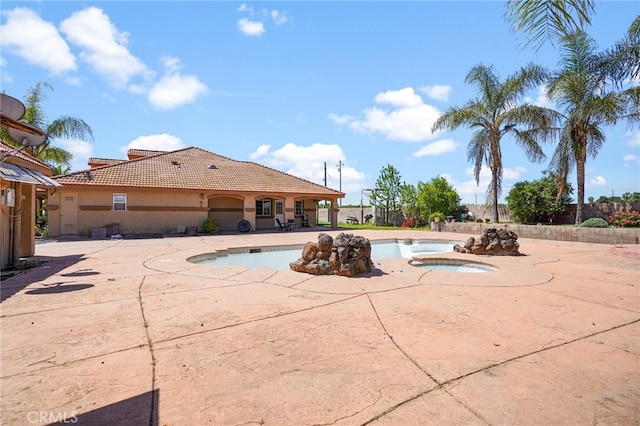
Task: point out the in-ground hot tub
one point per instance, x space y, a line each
452 265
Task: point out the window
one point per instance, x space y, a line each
299 208
119 202
263 207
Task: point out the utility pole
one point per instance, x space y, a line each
340 173
325 181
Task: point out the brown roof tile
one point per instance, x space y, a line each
196 169
97 162
25 160
133 154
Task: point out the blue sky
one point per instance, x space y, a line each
292 85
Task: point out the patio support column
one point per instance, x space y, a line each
249 211
289 208
334 213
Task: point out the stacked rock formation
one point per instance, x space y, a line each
492 242
346 255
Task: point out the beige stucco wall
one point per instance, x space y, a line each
148 211
163 211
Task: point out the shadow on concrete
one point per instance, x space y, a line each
44 268
138 410
59 288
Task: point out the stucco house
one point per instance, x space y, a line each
169 192
21 176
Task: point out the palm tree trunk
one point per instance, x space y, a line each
494 183
580 166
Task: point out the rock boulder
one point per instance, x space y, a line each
347 255
496 242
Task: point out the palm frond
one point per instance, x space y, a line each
548 20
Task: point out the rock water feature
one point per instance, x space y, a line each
492 242
347 255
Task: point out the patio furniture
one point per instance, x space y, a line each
282 227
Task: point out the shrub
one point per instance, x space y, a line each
439 215
210 226
537 201
595 222
625 219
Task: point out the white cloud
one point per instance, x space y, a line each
161 142
251 28
541 100
513 174
407 124
408 120
634 138
175 90
437 91
468 189
279 17
399 98
597 181
340 119
307 162
244 8
5 77
260 152
104 47
38 42
81 151
631 159
436 148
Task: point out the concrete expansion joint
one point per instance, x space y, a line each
151 351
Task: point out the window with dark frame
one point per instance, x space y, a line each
299 208
263 207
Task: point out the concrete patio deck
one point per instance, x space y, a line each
127 332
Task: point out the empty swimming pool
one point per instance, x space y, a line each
280 257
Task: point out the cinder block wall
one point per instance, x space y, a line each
557 232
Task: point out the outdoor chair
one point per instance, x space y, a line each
282 227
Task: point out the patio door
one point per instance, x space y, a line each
278 212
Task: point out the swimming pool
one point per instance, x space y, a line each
280 257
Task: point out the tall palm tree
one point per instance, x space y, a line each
548 20
62 127
495 113
588 103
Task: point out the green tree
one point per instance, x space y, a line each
537 201
495 113
588 104
631 197
409 201
387 193
548 20
437 196
67 127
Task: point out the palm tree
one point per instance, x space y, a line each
548 19
588 104
495 113
621 63
63 127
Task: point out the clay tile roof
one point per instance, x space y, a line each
97 162
195 169
25 160
132 154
